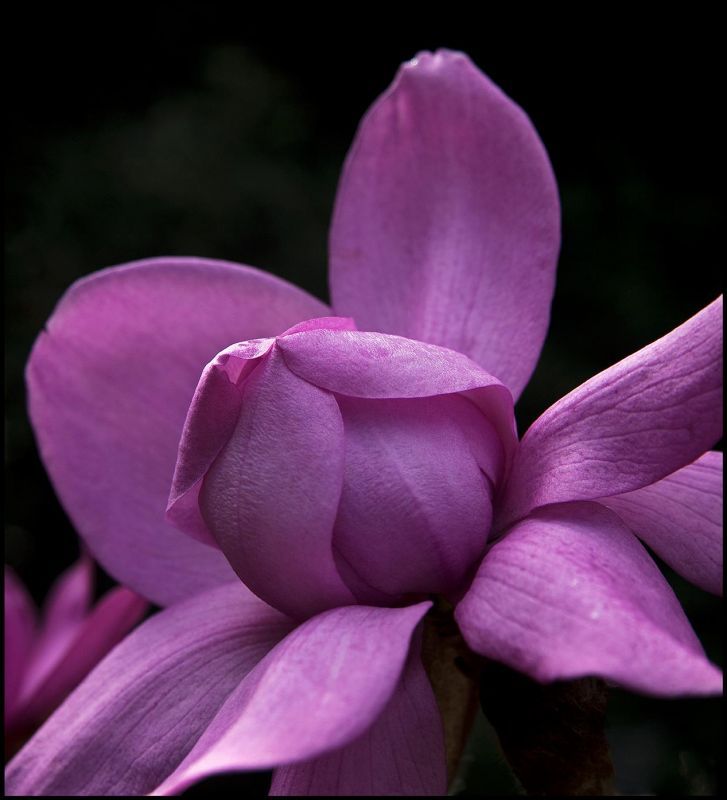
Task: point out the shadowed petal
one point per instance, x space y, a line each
136 716
20 632
110 382
631 425
318 690
402 753
569 592
447 224
680 518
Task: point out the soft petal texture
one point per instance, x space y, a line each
416 505
402 753
446 225
110 382
270 497
318 690
378 366
569 592
680 518
136 716
20 632
629 426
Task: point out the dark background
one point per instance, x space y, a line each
201 132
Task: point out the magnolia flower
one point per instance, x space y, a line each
46 658
326 476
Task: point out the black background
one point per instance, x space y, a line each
171 130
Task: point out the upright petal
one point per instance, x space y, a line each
20 632
402 753
569 592
446 226
136 716
322 687
110 382
629 426
680 518
270 497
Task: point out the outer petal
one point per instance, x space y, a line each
318 690
270 498
20 632
402 753
110 381
447 224
570 591
376 365
132 721
114 616
636 422
680 518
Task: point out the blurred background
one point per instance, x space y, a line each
201 132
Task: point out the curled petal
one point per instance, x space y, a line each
447 223
680 518
569 592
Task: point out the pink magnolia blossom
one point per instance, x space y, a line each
346 468
47 657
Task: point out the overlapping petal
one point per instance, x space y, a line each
680 518
402 753
19 635
446 226
322 687
110 382
629 426
136 716
569 592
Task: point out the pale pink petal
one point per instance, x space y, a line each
416 505
447 223
402 753
379 366
569 592
680 518
321 688
631 425
270 497
20 632
110 382
111 619
136 716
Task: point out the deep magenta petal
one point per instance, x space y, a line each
569 592
136 716
629 426
110 382
680 518
19 636
446 225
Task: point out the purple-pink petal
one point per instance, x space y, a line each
446 226
680 518
110 381
20 633
569 592
136 716
321 688
401 754
629 426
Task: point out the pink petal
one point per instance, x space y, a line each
136 716
416 505
569 592
20 631
112 618
447 223
270 498
633 424
402 753
680 518
110 382
376 365
320 689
